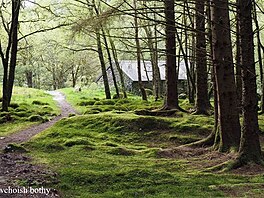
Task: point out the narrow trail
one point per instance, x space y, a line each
16 165
26 134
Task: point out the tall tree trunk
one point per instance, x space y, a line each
260 61
191 72
202 98
153 47
141 87
238 62
229 126
5 86
250 149
156 72
11 54
13 58
154 62
111 64
171 99
103 67
117 65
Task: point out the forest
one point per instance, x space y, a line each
129 98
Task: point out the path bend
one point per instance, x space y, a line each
25 135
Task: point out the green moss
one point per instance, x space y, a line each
36 118
22 114
122 151
77 141
98 103
14 105
21 109
112 155
86 103
183 139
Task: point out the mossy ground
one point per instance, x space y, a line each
116 154
28 107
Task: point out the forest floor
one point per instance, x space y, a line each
109 151
16 165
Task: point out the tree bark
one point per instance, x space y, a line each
171 99
260 61
10 55
250 149
202 98
103 67
111 64
141 87
238 62
152 45
118 66
229 126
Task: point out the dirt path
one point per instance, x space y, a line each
15 165
26 134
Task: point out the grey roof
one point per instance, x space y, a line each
129 67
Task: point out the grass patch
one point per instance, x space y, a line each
28 107
114 155
90 101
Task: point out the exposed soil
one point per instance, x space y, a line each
17 166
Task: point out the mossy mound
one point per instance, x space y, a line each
122 151
37 118
77 141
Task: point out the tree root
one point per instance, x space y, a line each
218 167
206 113
209 141
168 108
232 165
